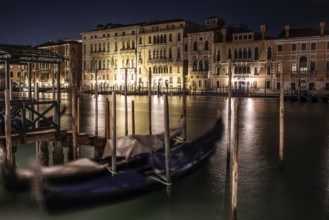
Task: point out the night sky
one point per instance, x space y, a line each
35 22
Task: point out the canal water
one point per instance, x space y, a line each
300 191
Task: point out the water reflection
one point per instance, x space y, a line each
301 191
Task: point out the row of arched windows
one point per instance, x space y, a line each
162 69
162 54
200 65
195 46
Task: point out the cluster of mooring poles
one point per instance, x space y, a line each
234 172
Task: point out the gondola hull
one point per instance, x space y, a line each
129 183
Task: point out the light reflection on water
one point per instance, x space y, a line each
301 191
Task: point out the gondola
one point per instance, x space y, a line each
129 182
131 151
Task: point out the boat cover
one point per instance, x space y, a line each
131 145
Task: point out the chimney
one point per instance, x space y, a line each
287 29
262 28
322 28
224 34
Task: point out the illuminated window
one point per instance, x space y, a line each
293 67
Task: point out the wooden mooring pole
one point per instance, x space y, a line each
114 133
229 113
235 161
107 119
184 108
281 154
9 149
75 145
126 104
133 117
167 144
150 102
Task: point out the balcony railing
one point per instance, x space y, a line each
241 75
303 73
242 60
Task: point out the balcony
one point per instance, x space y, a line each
241 75
242 60
303 73
160 60
128 50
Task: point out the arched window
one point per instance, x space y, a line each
229 54
186 48
249 53
154 69
218 71
200 65
178 53
195 65
178 37
303 63
206 45
244 53
195 46
240 53
206 65
154 39
256 55
269 53
218 55
170 53
161 39
150 39
235 53
158 39
140 40
165 38
268 70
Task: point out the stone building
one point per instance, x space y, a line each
70 69
302 55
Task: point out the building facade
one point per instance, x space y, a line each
302 56
45 74
168 51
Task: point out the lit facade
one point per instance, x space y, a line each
302 55
138 50
44 73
